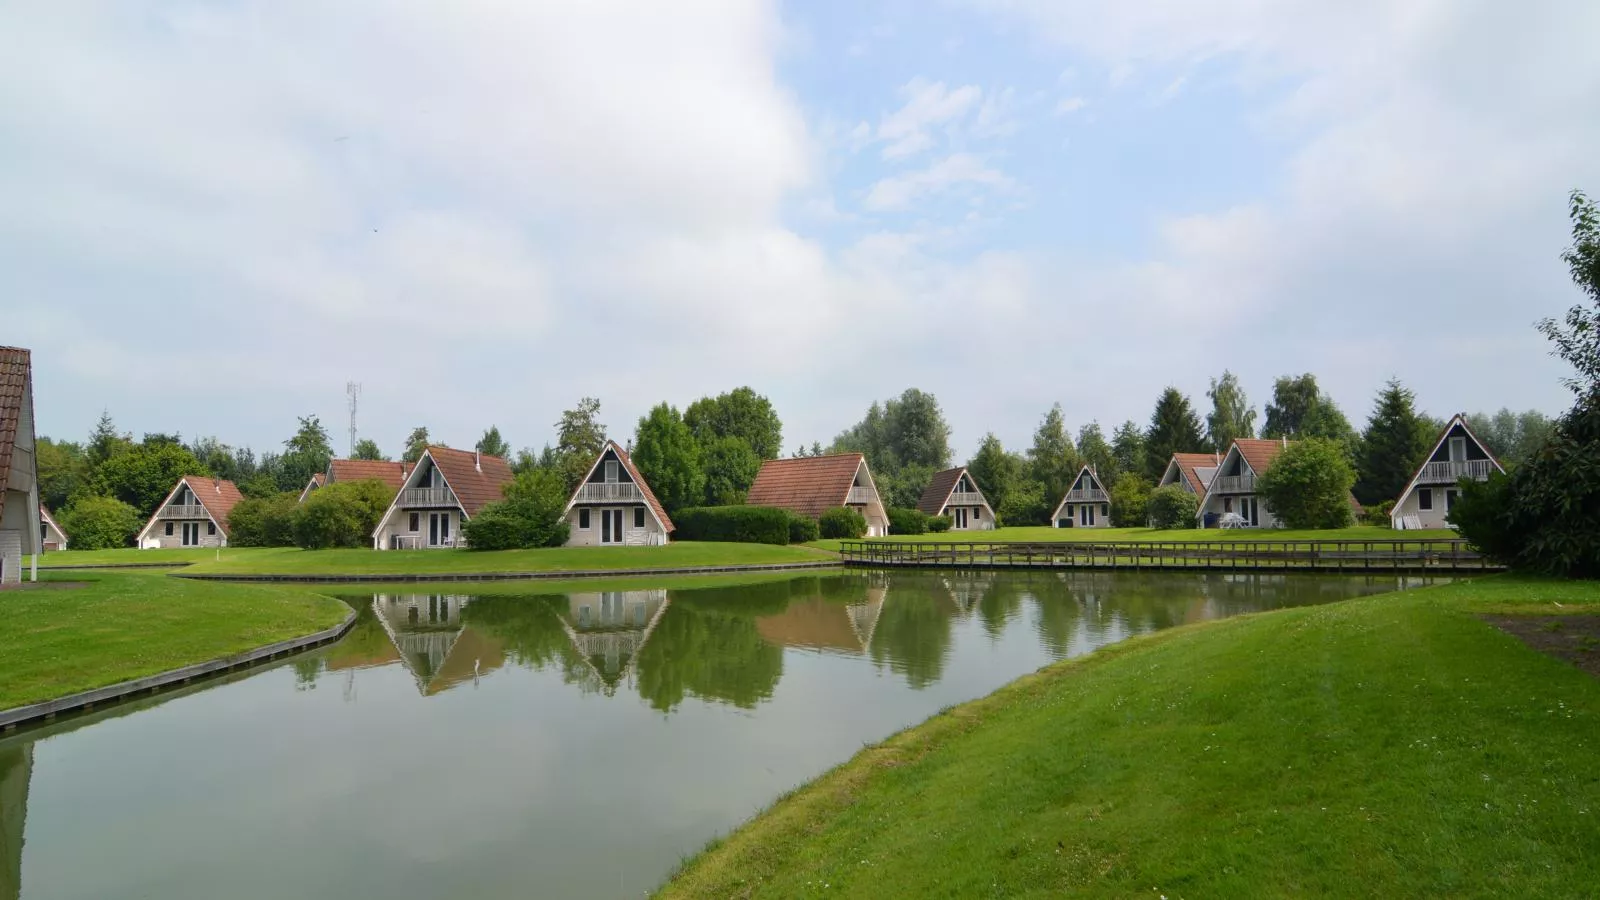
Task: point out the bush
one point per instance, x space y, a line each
1483 514
1379 515
531 515
842 522
341 515
941 524
1130 501
802 530
907 521
100 523
1308 485
1172 507
263 522
738 524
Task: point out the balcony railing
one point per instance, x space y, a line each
862 496
1455 470
966 498
1093 495
179 511
610 492
439 496
1233 484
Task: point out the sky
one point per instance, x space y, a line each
217 214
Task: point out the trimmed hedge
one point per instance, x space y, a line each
907 521
737 524
941 524
842 522
802 530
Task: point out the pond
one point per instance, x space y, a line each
498 745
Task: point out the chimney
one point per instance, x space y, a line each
477 460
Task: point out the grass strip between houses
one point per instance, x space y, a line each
1393 746
76 631
1044 534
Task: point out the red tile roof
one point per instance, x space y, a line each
1189 462
633 472
808 485
392 474
216 495
15 369
938 490
1260 452
474 488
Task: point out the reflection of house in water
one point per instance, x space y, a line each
433 645
16 768
609 628
967 589
825 624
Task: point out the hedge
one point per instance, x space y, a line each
842 522
737 524
907 521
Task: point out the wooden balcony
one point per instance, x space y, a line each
177 511
1453 471
966 498
861 496
1233 484
609 492
439 496
1089 495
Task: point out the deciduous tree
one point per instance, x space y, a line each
100 523
579 439
416 444
669 458
492 444
1052 462
730 467
142 476
1127 447
1096 453
1308 484
740 413
994 470
367 449
1231 415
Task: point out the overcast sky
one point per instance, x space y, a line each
214 214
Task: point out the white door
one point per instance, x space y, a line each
610 526
960 517
439 529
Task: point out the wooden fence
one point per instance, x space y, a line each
1448 555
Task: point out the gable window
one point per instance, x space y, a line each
1424 498
416 521
583 518
638 517
611 471
169 529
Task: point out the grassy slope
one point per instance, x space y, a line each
1391 746
130 556
108 627
402 562
1046 534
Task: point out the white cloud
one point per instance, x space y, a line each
929 104
1069 105
942 176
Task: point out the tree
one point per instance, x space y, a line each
905 440
669 458
740 413
416 444
1130 499
343 514
531 515
1026 503
105 441
367 449
1299 409
63 470
1096 453
492 444
1231 416
304 455
1052 463
579 439
994 470
1308 484
1174 428
1394 444
1512 437
730 466
1127 448
1577 337
100 523
263 521
142 476
1172 507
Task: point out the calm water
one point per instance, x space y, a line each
552 746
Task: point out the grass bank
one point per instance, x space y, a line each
129 556
73 631
1046 534
545 587
554 559
1390 746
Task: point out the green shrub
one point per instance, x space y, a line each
100 523
1130 501
341 515
803 530
1172 507
263 522
1308 485
738 524
1379 514
842 522
1483 514
531 515
907 521
941 524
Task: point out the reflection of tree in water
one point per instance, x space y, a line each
702 648
528 627
16 769
913 632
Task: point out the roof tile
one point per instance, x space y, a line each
808 485
475 487
15 369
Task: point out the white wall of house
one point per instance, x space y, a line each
165 534
639 527
1435 496
1222 504
10 556
977 518
414 529
1083 515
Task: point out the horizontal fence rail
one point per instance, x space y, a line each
1445 555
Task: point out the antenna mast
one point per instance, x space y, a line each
352 390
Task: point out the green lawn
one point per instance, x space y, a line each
556 559
128 556
1046 534
1394 746
77 631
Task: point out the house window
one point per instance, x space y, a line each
211 528
1105 508
638 517
169 529
1424 499
1227 504
416 521
611 471
1450 499
583 518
